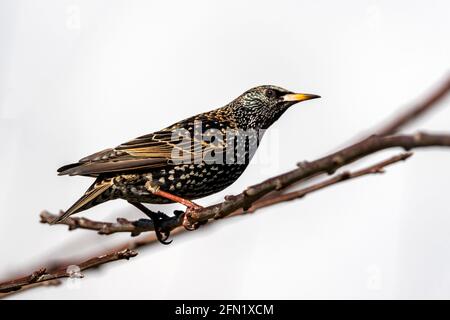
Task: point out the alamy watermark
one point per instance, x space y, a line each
206 145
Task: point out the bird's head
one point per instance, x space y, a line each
260 107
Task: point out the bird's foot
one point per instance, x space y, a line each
157 218
188 224
161 234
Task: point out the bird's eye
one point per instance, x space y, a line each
270 93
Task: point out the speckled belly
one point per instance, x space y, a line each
189 181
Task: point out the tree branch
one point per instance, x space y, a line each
328 164
43 276
377 168
254 197
107 228
143 225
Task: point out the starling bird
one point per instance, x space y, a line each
188 160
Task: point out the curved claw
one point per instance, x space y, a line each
156 218
163 236
165 242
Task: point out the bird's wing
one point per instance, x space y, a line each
150 151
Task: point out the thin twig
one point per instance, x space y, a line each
42 275
50 283
377 168
105 228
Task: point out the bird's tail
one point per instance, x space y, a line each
88 200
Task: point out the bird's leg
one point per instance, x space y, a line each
153 188
156 218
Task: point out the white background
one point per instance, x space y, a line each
79 76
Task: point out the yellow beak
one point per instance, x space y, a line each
299 97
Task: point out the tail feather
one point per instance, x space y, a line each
91 194
62 171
